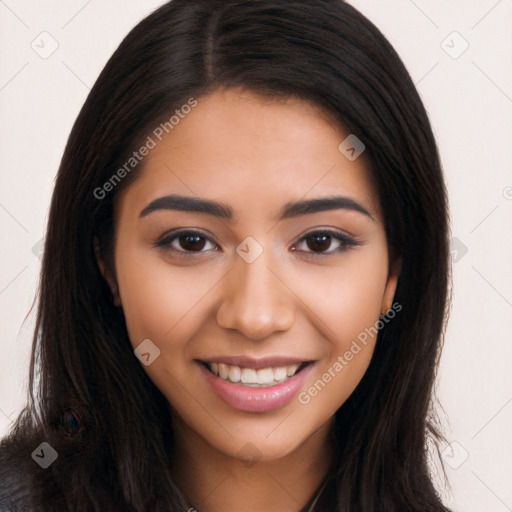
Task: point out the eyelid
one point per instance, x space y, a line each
180 231
326 230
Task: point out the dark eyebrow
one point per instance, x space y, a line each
322 204
223 211
188 204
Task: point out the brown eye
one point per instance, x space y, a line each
319 242
325 243
192 242
186 243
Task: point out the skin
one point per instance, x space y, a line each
255 155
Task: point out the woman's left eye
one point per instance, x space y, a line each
325 242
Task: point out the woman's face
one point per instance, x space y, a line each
252 253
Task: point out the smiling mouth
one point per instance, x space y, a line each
263 377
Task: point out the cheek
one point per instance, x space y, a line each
166 306
345 306
160 302
344 300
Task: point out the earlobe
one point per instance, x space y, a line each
389 291
107 274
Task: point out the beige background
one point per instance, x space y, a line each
469 99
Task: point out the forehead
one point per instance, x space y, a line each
253 153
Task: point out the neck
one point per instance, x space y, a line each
213 481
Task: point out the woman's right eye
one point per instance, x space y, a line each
186 243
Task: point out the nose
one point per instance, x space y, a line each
255 300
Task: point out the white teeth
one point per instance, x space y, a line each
265 375
280 373
290 370
223 370
249 376
235 373
254 378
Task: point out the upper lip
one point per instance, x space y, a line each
256 363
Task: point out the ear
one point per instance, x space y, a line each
107 273
389 291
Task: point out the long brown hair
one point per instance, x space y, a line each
91 400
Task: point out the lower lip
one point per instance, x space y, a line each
256 399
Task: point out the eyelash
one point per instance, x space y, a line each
346 242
